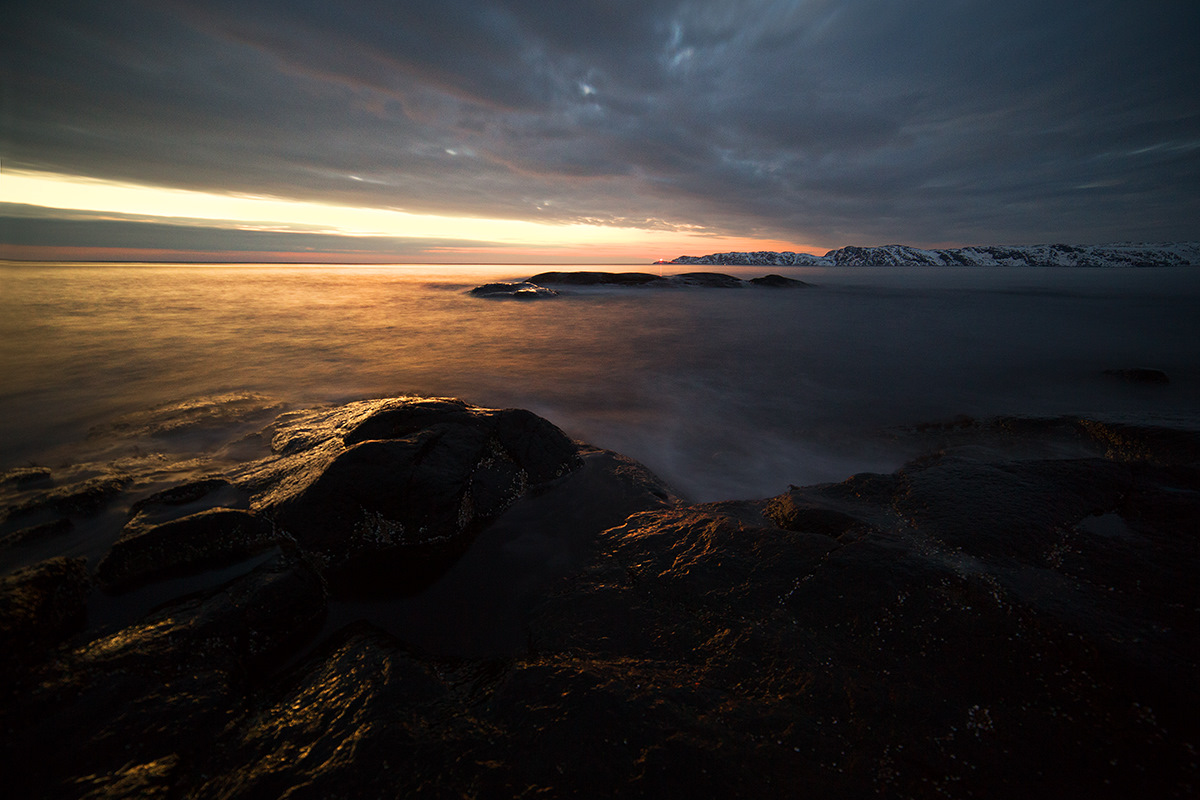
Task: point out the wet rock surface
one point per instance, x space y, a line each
516 290
143 701
40 606
415 483
204 539
26 476
1013 614
85 498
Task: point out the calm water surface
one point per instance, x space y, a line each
724 393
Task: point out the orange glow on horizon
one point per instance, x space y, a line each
482 239
628 254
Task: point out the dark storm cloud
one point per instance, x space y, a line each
859 121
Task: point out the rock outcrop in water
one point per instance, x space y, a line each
519 290
1142 375
535 287
1013 614
894 255
712 280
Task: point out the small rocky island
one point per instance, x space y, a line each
550 284
418 595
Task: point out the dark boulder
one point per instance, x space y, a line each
481 605
205 539
395 421
537 446
416 481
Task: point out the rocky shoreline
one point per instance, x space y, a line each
1013 613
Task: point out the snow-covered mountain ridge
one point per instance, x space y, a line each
1123 254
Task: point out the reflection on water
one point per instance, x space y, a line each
725 393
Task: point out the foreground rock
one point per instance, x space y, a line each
411 485
123 714
965 627
986 621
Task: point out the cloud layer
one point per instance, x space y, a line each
858 121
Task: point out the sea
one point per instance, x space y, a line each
723 393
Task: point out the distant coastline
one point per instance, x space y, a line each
1124 254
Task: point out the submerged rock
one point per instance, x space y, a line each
712 280
779 282
1140 375
26 476
84 498
181 496
196 415
34 533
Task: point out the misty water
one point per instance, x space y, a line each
725 393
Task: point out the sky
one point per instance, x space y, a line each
595 130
